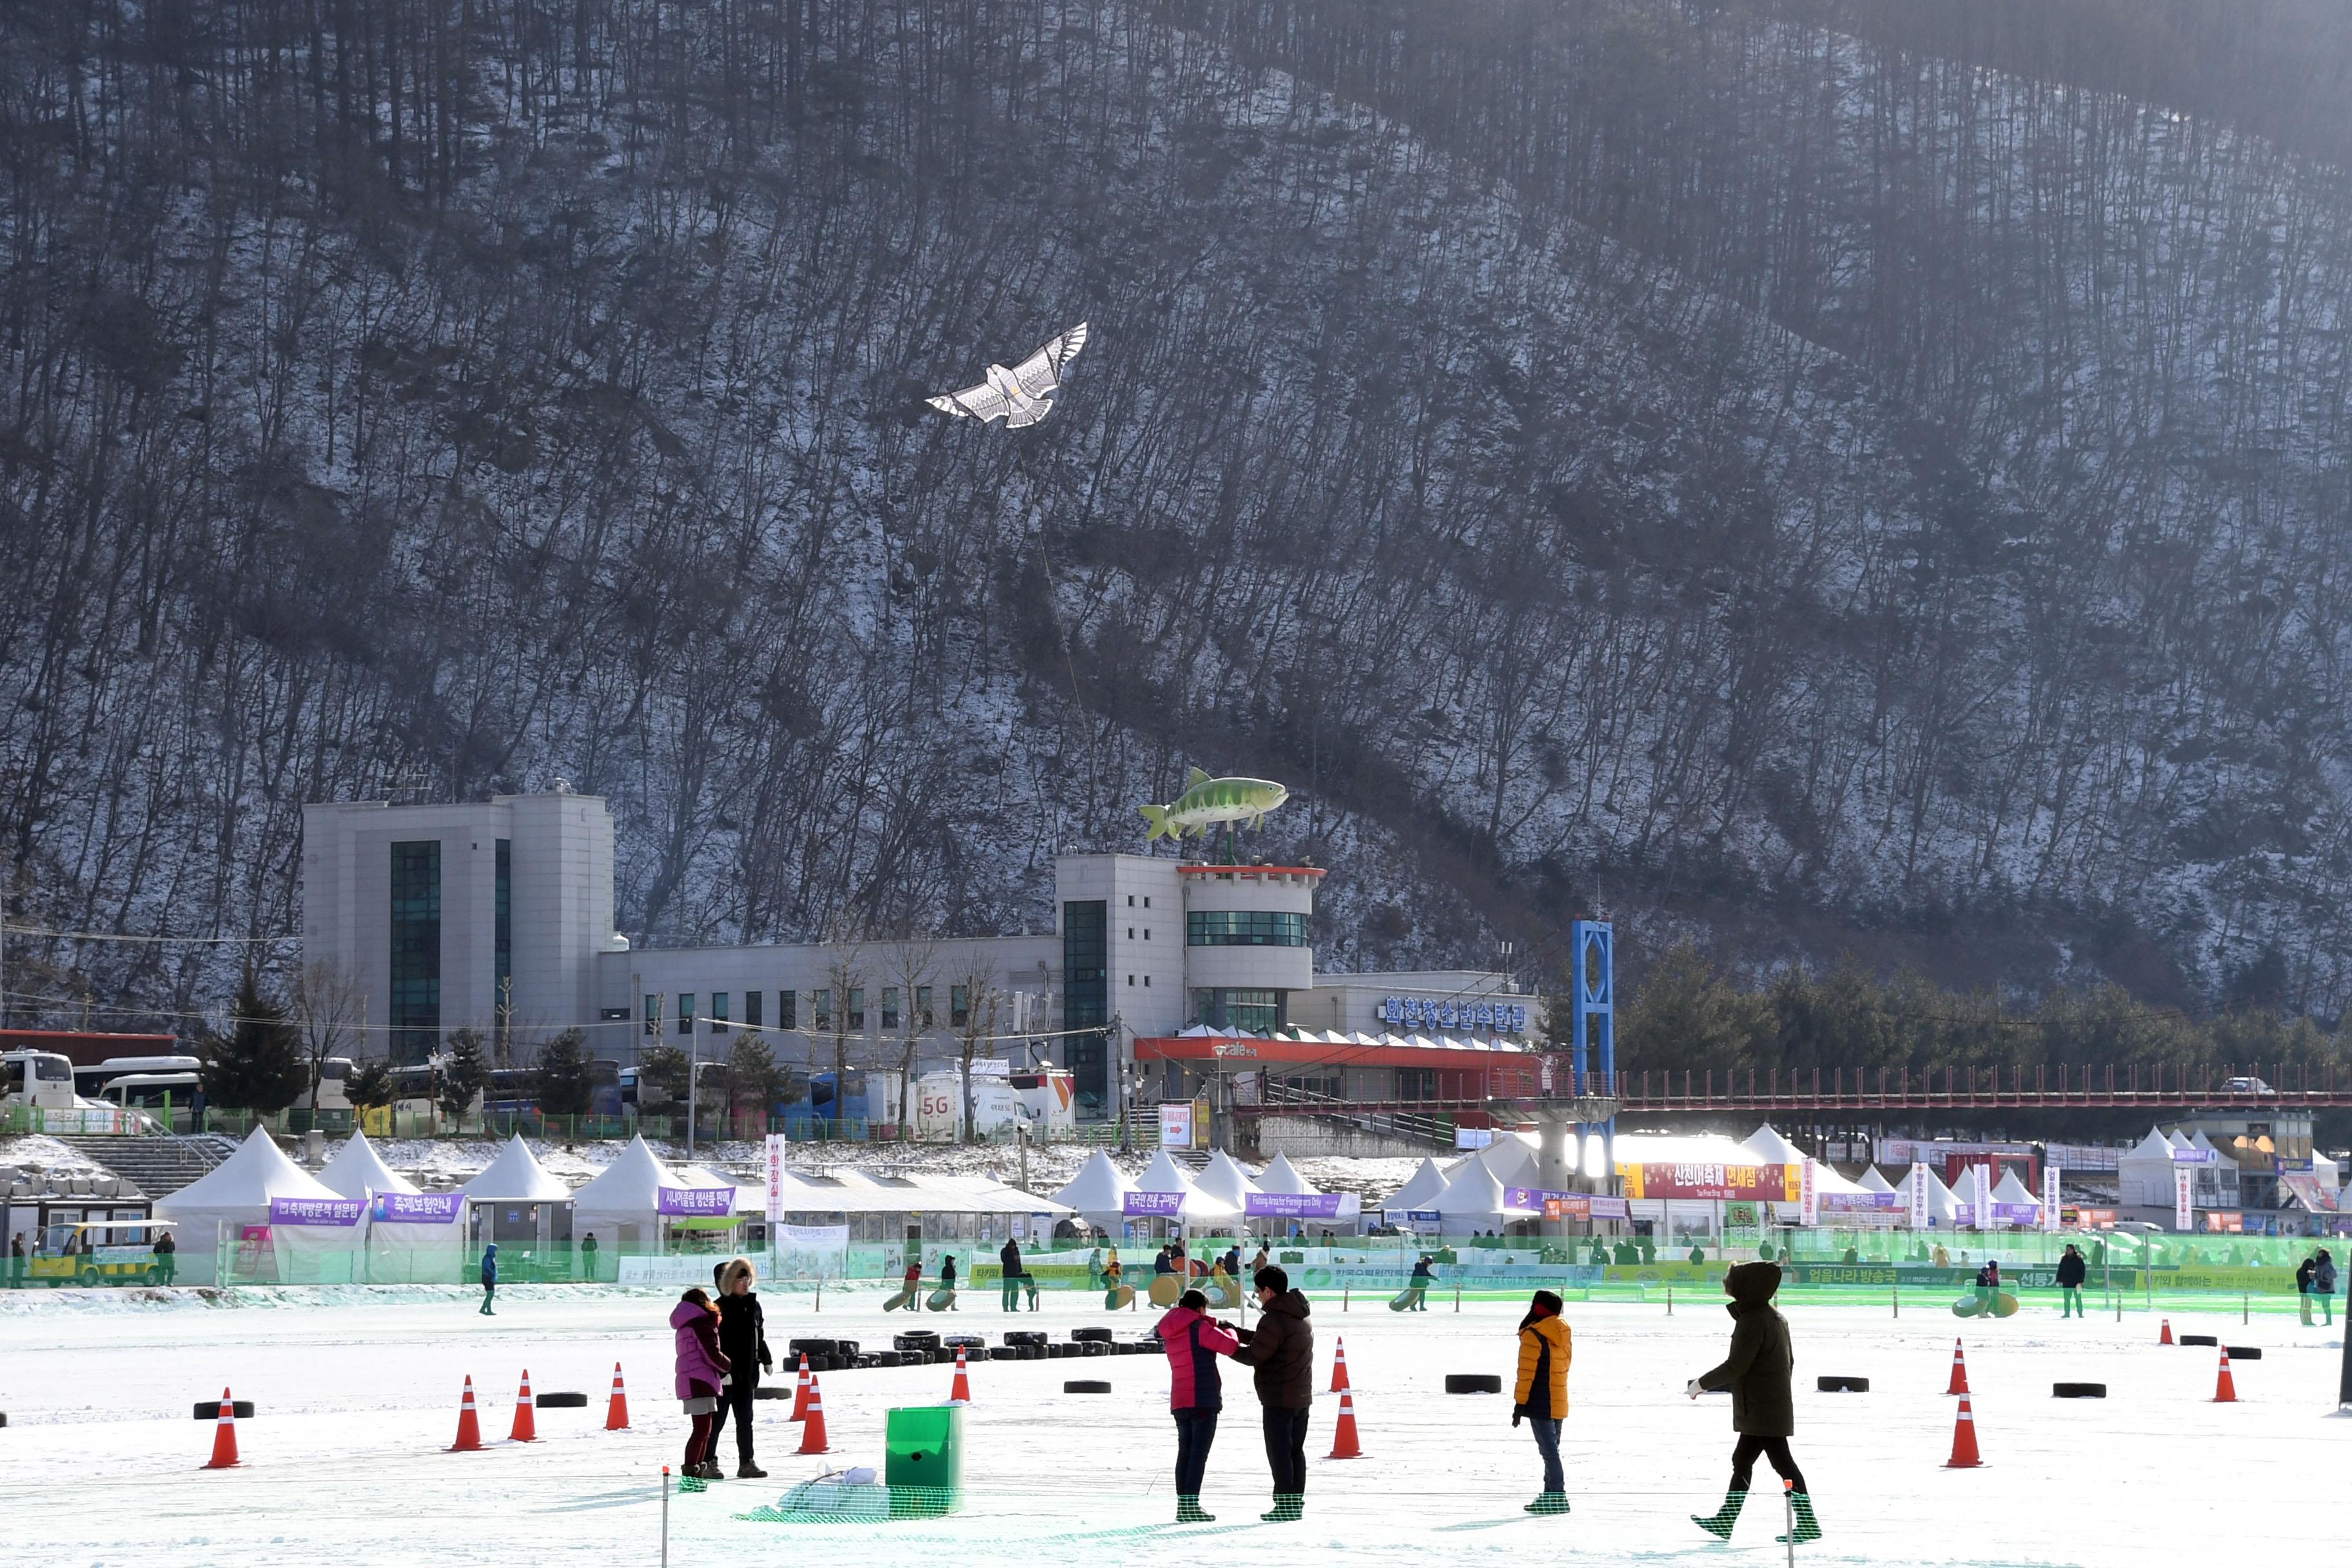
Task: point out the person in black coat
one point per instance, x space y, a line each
2072 1272
743 1339
1758 1374
1011 1258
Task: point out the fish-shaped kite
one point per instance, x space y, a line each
1022 395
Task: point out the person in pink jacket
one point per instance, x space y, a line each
1196 1393
702 1368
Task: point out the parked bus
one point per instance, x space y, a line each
40 1079
95 1082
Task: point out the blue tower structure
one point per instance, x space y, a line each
1593 1004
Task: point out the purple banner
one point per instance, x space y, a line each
1293 1205
695 1203
316 1211
1152 1206
418 1208
1862 1200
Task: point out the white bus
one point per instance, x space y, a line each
42 1080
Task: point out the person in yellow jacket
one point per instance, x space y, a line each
1540 1397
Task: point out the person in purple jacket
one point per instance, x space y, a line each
1196 1394
702 1369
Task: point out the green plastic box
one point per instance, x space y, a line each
924 1465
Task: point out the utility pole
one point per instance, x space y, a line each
693 1066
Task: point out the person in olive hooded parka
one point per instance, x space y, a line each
1763 1407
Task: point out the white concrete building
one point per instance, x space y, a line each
502 912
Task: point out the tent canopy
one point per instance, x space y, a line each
1281 1177
1419 1191
1475 1193
357 1170
2010 1190
1098 1188
625 1192
1872 1182
1225 1179
1514 1164
241 1186
1767 1145
1164 1175
514 1178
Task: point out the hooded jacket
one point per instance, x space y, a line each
490 1264
1194 1343
1282 1350
699 1359
743 1336
2072 1271
1544 1355
1757 1370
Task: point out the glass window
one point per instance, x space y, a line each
415 1000
857 1006
889 1006
1258 1012
959 1006
923 1007
502 939
1244 928
685 1012
751 1009
821 1008
719 1012
788 1009
653 1014
1086 1000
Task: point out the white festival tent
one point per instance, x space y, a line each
2010 1190
515 1177
1513 1163
1097 1192
1165 1175
621 1204
1421 1191
357 1171
1767 1145
1872 1182
1475 1196
1943 1208
1224 1179
226 1209
1281 1176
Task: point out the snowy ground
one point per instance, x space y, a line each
358 1395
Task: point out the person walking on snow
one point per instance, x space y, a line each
947 1283
2302 1273
1763 1408
702 1369
1421 1279
1011 1258
1281 1350
167 1259
743 1338
1195 1395
1540 1396
489 1278
2322 1285
2071 1271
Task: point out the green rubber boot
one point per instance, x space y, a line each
1549 1502
1287 1507
1720 1521
1188 1511
1808 1527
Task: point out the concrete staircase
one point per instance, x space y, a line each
158 1167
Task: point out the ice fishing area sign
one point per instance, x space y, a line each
1302 1205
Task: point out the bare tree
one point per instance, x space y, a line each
909 964
329 1015
844 978
976 998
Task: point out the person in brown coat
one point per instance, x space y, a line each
1281 1353
1763 1406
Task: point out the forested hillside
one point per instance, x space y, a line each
1801 476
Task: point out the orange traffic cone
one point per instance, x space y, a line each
813 1428
1344 1445
800 1394
225 1436
616 1414
1964 1440
1339 1367
526 1422
1959 1371
2166 1337
469 1425
2225 1391
960 1392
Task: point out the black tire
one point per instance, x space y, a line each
2078 1390
921 1340
90 1279
1841 1384
1473 1382
1030 1352
962 1341
814 1348
150 1275
1002 1352
1089 1336
1086 1386
1094 1347
2200 1340
209 1409
1024 1337
562 1402
2246 1352
845 1348
774 1391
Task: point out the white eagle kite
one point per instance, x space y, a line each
1022 395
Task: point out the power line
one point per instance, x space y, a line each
125 936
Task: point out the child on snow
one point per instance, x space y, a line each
702 1369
